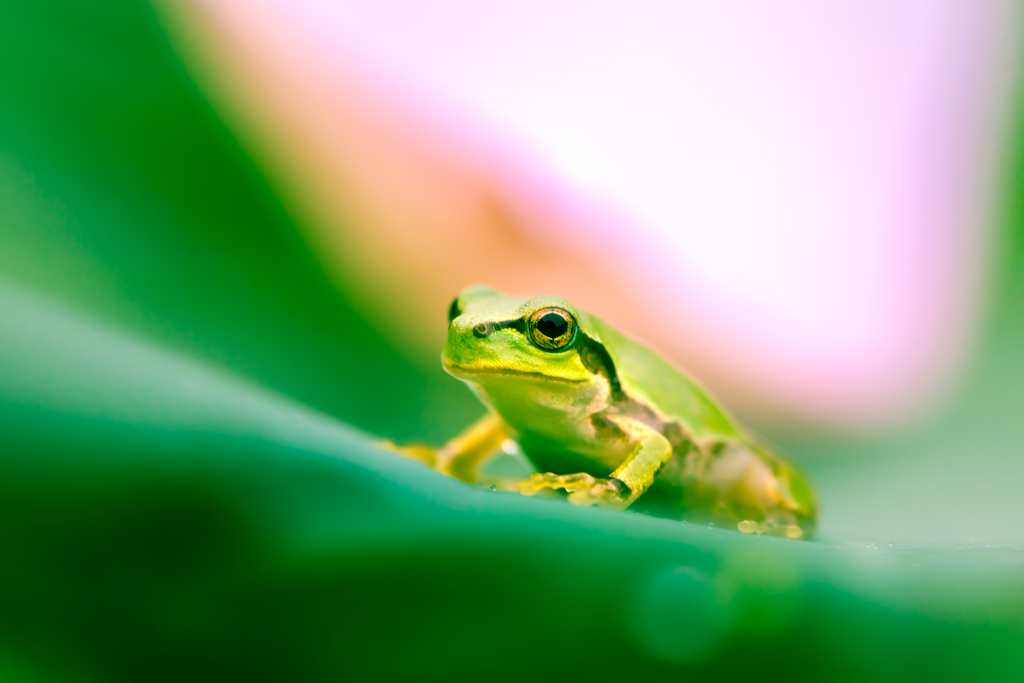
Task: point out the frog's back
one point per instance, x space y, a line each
645 376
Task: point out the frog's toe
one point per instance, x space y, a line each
583 489
607 493
785 528
535 483
549 480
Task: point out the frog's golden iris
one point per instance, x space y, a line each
552 329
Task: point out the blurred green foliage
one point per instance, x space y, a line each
124 194
182 496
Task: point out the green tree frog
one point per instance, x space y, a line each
604 418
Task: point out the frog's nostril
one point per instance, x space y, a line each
483 329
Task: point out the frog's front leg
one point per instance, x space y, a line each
627 483
460 457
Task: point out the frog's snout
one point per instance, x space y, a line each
472 346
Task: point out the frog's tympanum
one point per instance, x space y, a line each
605 418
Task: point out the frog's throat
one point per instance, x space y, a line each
478 374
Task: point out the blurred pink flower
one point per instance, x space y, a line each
792 199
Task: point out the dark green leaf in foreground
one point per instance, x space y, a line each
166 520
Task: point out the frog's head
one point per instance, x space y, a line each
498 338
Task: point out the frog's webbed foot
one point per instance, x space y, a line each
583 489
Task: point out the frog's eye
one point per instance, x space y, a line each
552 329
455 310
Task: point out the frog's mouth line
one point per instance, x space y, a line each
494 372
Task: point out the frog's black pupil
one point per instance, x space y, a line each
552 325
454 311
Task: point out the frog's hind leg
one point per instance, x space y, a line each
759 490
460 457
